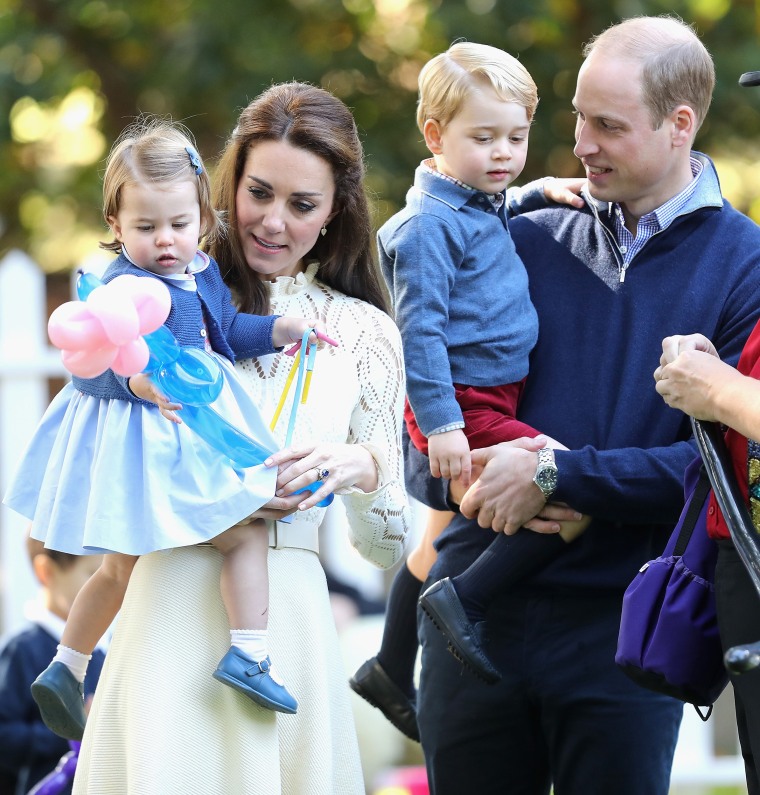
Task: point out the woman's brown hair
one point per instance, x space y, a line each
314 120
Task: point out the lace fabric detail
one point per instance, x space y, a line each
356 397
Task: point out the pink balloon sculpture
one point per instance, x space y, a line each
106 330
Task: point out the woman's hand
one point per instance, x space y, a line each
690 371
141 386
680 343
338 466
692 383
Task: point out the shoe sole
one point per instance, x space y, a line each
454 648
54 713
360 691
262 701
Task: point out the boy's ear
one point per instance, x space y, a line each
43 571
433 132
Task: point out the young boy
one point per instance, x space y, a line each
28 749
461 300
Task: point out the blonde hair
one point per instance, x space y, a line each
446 80
159 151
676 68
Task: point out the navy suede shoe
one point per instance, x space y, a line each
253 679
61 701
441 604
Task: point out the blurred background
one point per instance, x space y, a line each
73 73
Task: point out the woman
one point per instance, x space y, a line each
290 184
691 377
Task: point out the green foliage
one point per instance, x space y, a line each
73 73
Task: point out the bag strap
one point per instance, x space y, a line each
696 503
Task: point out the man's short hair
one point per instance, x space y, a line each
676 68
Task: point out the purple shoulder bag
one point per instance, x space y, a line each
668 639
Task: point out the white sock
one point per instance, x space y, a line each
253 642
74 660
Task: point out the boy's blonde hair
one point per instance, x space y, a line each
159 151
445 81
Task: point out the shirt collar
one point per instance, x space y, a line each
465 192
703 191
36 613
185 280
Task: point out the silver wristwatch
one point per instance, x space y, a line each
546 472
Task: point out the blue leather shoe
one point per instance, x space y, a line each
441 604
253 679
61 701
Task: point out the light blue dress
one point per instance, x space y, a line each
110 475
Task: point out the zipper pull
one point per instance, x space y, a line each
622 273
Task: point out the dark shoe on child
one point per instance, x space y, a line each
253 679
374 685
442 605
61 701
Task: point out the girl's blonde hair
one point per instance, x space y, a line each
446 80
160 151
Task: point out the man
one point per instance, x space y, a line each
655 251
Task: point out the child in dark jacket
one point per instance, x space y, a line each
28 749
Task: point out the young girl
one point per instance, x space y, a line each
105 472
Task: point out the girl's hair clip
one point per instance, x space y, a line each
195 160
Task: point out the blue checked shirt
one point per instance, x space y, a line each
654 222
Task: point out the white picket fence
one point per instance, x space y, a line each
27 361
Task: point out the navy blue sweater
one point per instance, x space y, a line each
193 314
591 386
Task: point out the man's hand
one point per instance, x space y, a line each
504 497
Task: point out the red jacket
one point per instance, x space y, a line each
744 467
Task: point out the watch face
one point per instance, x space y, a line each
547 479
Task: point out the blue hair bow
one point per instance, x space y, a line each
195 160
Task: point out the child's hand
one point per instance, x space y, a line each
141 386
291 329
565 191
449 455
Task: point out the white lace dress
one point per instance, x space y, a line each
160 724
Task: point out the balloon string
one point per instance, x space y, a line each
299 385
303 364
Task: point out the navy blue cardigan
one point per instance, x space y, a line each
231 333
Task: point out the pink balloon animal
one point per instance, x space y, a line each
106 330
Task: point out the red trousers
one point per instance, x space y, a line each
489 416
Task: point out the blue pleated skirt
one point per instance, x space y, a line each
115 476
